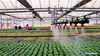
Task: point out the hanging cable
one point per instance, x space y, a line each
32 13
68 3
94 3
28 14
79 7
71 3
21 6
58 3
83 7
3 4
40 3
16 3
31 2
49 7
12 3
49 3
85 4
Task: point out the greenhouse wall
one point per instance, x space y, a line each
6 25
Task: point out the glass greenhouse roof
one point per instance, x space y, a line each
14 4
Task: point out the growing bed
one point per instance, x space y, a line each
63 46
46 46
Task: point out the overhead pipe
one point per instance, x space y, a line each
27 5
75 7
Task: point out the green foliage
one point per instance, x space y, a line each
45 46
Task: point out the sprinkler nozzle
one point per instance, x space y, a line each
70 24
82 25
75 25
64 26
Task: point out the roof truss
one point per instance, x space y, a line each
75 7
27 5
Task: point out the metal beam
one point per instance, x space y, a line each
22 11
92 13
27 5
47 11
10 15
75 7
62 17
44 8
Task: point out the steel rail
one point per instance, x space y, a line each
74 8
95 11
27 5
43 8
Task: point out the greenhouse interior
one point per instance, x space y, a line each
49 28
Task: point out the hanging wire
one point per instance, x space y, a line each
12 3
94 3
21 6
26 12
71 6
3 4
68 3
91 6
31 3
16 3
79 7
28 15
85 4
49 6
79 4
40 3
58 3
83 7
71 3
32 6
49 3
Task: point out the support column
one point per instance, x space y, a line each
23 23
96 21
7 24
12 24
1 22
33 23
40 23
53 16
